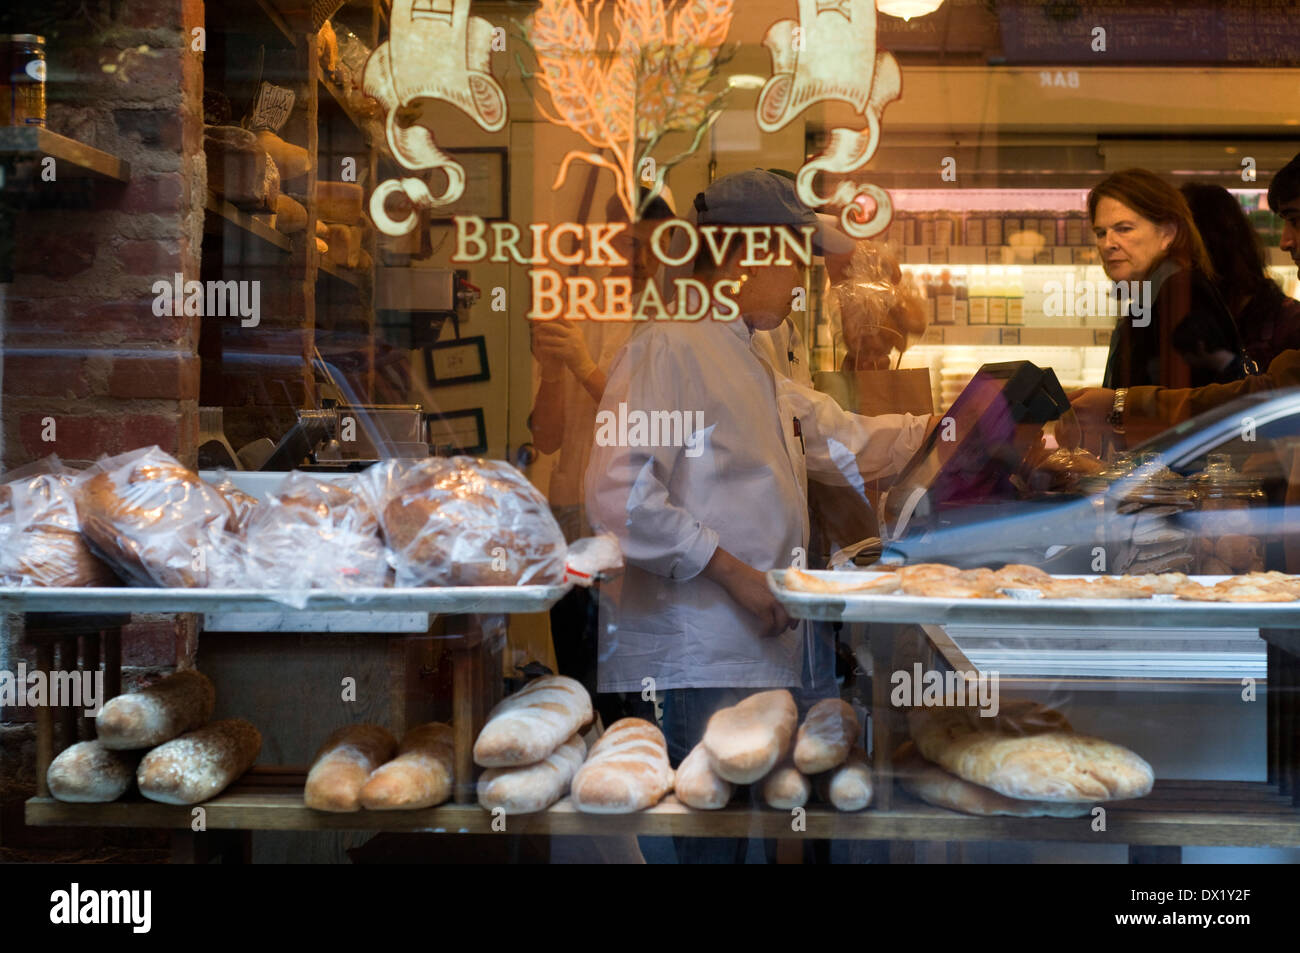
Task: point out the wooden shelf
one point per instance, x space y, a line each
71 157
348 275
1176 813
219 207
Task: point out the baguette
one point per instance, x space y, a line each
848 787
1018 759
786 787
420 775
626 771
933 785
826 735
89 773
533 722
697 785
746 741
343 765
200 765
532 787
179 703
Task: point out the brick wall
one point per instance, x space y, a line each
82 346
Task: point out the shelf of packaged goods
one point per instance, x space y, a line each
218 208
72 158
1176 813
1058 256
985 335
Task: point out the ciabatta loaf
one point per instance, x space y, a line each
533 722
786 787
627 770
171 707
533 787
697 785
826 735
1034 765
746 741
89 773
849 786
420 775
933 785
199 765
343 765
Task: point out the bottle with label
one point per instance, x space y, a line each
944 298
961 300
930 288
1015 295
974 228
927 228
943 232
997 293
979 300
992 229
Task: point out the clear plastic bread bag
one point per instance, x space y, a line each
155 522
462 521
314 534
40 538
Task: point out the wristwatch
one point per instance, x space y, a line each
1116 416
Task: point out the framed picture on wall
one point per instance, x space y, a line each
460 361
457 431
487 186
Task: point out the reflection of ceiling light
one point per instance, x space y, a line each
745 81
908 8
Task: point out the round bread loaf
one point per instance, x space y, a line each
461 521
153 520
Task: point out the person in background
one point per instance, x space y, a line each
1268 321
573 360
700 523
1176 331
1138 413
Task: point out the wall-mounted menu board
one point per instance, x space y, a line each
1240 32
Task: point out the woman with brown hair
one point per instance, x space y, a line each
1175 330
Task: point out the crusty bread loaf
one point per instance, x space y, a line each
179 703
933 785
1016 759
626 771
533 722
828 732
420 775
290 217
533 787
786 787
89 773
291 161
201 764
747 740
848 787
339 202
343 765
697 785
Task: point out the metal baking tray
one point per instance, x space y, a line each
447 600
1157 612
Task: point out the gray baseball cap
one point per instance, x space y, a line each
760 197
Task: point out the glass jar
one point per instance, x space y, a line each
1138 517
1225 546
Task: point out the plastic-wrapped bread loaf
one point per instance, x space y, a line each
344 764
697 785
826 735
40 537
533 722
626 771
747 740
179 703
460 521
89 773
532 787
420 776
849 786
786 787
200 765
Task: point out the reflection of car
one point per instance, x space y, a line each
1106 532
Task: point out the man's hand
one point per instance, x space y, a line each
748 586
1092 405
559 344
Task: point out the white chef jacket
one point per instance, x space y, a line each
746 492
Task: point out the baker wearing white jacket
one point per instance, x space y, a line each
701 521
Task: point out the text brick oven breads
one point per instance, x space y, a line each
460 521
